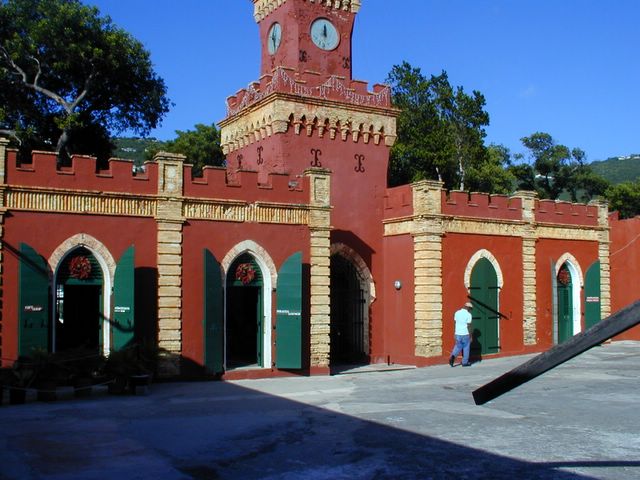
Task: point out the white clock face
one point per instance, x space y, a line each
274 37
324 34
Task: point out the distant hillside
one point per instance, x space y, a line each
133 148
618 169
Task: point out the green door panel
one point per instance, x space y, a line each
289 314
123 320
213 322
565 304
484 294
34 299
592 305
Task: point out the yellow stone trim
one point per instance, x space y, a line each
259 212
428 295
66 201
278 112
319 270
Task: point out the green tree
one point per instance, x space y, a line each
69 77
624 198
552 170
201 147
493 174
440 128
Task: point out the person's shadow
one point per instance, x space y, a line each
476 346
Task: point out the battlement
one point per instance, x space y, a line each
312 85
464 204
555 211
218 183
120 176
82 174
398 202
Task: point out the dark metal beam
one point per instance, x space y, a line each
610 327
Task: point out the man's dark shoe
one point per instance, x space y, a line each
451 360
466 364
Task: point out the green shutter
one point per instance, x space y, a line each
34 301
213 323
123 323
289 313
592 311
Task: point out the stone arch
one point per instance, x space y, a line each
270 279
574 266
350 254
472 262
107 264
102 254
262 257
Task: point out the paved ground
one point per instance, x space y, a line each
579 421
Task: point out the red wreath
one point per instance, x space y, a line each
564 277
245 273
80 268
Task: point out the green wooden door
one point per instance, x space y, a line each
34 298
592 311
123 320
484 295
213 322
289 313
564 291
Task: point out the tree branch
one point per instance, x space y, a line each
12 134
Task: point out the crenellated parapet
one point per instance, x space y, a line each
368 119
309 84
263 8
474 204
555 211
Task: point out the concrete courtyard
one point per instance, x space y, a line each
579 421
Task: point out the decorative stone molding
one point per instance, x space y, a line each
264 8
259 212
260 254
68 201
472 263
280 112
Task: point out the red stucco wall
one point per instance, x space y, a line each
624 254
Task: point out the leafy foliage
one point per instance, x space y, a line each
440 129
68 77
624 198
552 169
201 147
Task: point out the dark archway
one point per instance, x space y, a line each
245 314
79 302
348 314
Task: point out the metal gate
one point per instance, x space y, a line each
348 313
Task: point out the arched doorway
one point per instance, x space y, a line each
348 313
79 302
244 332
484 290
564 295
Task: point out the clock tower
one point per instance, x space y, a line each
306 111
312 35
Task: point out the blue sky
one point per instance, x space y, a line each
570 68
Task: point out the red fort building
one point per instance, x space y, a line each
296 258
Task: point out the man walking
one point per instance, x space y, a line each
462 319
